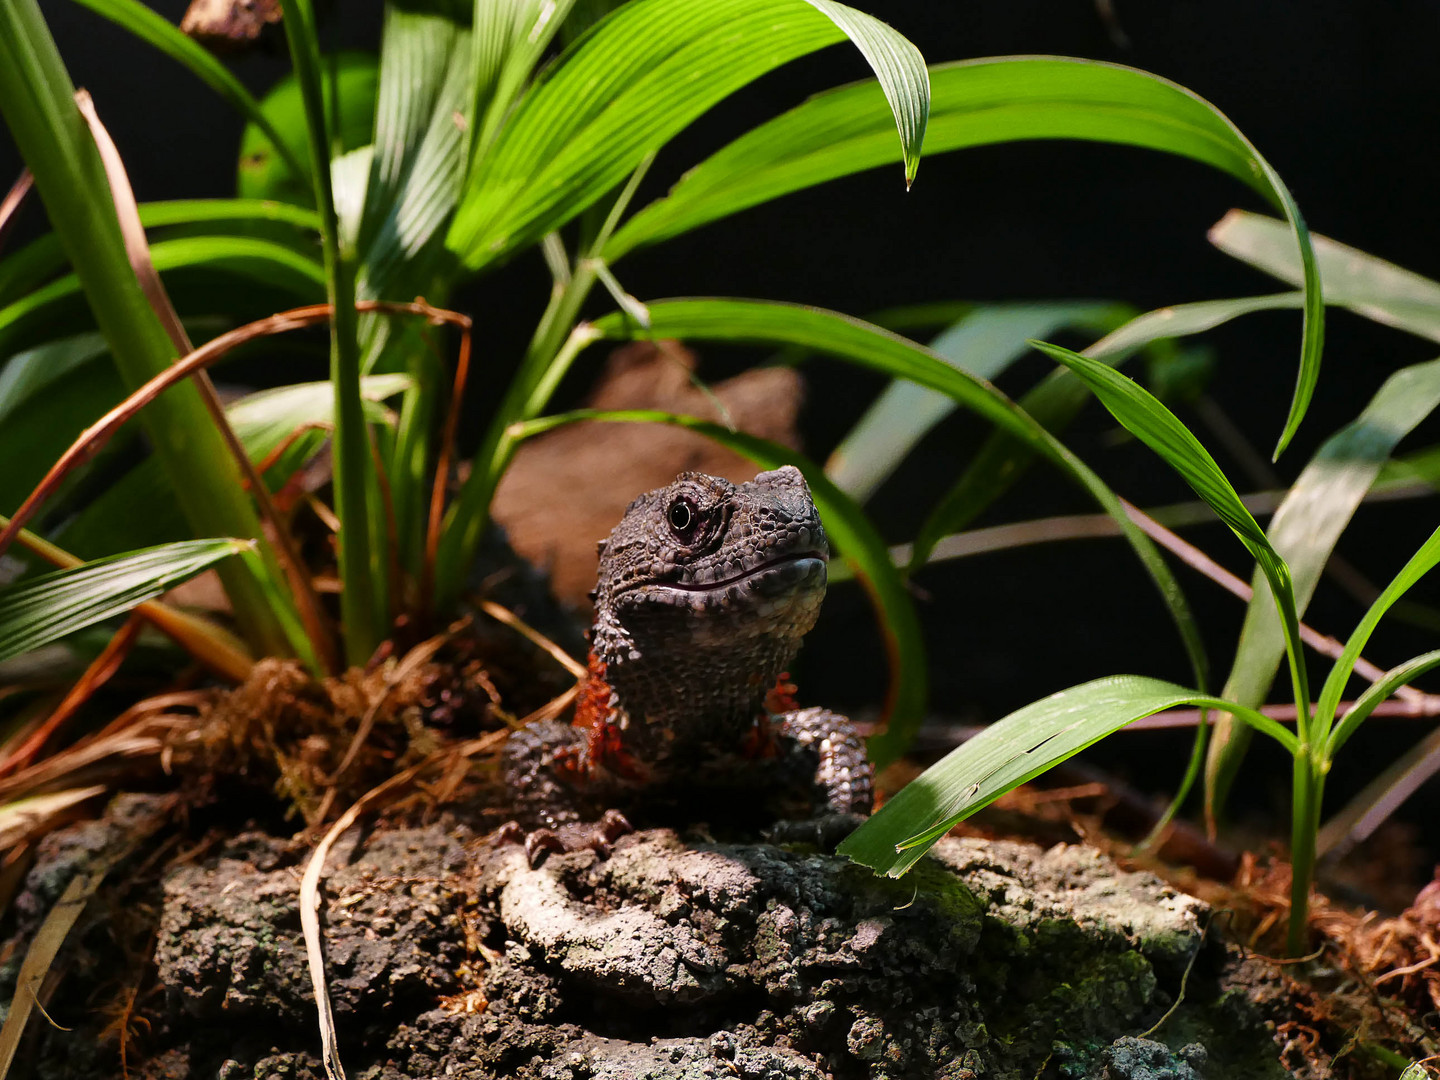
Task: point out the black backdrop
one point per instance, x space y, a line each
1340 97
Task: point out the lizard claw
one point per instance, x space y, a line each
611 827
597 836
539 844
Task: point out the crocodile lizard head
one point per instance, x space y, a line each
706 588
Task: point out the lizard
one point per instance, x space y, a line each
703 593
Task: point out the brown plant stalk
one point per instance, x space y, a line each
442 467
95 676
13 198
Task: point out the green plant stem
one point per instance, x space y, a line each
556 343
362 562
1309 785
545 363
37 101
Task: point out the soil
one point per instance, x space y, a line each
676 957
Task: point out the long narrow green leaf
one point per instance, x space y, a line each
1398 676
985 342
43 257
1156 426
1352 279
1420 564
510 38
1183 320
37 99
639 77
44 609
869 346
856 542
274 266
1011 751
415 51
977 103
363 562
416 175
47 397
1055 401
264 259
154 215
1304 531
155 30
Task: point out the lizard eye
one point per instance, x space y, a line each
681 516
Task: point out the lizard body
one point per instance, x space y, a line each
704 591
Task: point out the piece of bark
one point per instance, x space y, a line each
565 490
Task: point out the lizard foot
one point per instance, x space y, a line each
597 836
825 831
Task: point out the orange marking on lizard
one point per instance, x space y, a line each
595 714
762 740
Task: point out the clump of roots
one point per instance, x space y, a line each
321 742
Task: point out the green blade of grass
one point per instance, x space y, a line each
1368 286
510 39
46 608
985 342
978 103
857 543
1304 531
638 78
973 103
37 99
155 30
47 397
53 307
1156 426
1056 400
1398 676
1010 752
759 322
1420 564
416 49
419 161
364 566
32 265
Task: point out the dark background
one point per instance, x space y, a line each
1341 98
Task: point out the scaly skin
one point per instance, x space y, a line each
704 591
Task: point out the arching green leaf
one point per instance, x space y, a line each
46 608
638 78
1011 751
979 103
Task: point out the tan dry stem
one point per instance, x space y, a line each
13 199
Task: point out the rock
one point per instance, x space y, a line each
674 960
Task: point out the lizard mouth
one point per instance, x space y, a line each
789 569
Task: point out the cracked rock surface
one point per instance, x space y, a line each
671 959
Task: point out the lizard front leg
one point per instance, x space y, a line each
549 771
844 775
